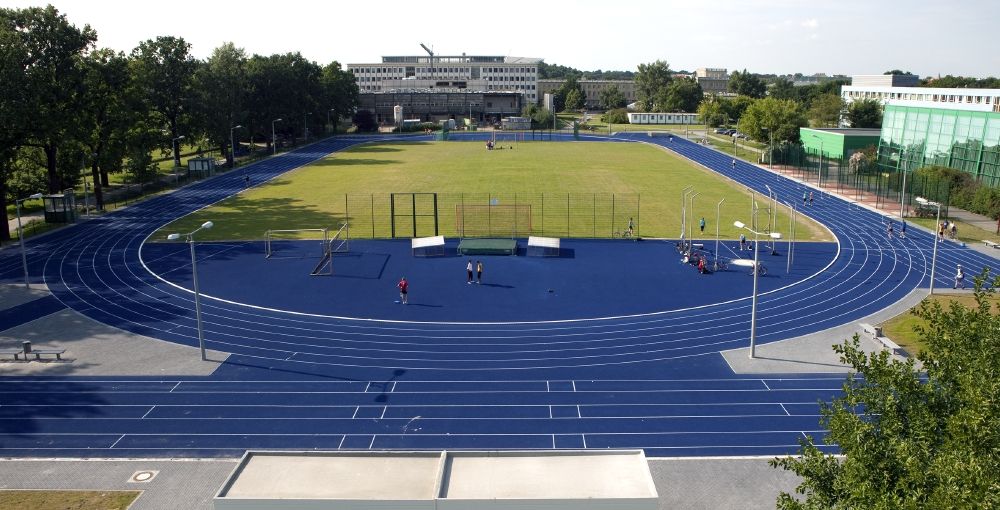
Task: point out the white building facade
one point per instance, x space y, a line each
450 74
886 89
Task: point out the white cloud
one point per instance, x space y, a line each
811 24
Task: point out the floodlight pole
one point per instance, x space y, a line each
937 237
305 126
718 210
20 236
691 223
197 290
176 148
756 273
791 232
274 137
902 190
684 193
232 145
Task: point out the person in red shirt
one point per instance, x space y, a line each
404 288
701 265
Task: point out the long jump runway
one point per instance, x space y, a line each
311 378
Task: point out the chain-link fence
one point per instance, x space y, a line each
388 215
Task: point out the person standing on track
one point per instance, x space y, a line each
701 224
810 199
743 242
479 272
468 272
805 198
902 229
889 230
734 164
404 289
959 278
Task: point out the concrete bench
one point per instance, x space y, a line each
543 246
427 246
990 244
875 332
46 352
12 352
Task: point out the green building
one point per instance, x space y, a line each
837 143
915 137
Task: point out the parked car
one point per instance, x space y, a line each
721 131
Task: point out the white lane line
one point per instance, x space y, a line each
783 409
355 415
116 441
175 387
765 384
341 444
147 413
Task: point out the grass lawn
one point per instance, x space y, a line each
900 329
62 500
465 173
967 233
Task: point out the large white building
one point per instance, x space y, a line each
446 73
886 89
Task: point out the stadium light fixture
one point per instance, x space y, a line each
756 272
20 236
194 272
937 226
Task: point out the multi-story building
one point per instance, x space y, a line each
713 80
902 90
591 89
447 73
432 105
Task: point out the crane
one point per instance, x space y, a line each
431 53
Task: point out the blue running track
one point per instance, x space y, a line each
602 361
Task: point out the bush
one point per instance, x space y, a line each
616 116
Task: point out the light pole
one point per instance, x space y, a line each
194 272
718 209
691 223
756 273
772 217
305 126
173 144
86 187
684 193
791 232
232 144
20 236
274 138
328 119
937 225
902 190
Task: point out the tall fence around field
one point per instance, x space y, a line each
404 215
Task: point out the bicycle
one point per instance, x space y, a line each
622 234
720 265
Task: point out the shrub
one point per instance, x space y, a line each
616 116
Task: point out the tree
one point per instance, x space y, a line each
612 97
682 95
615 116
711 112
865 113
783 88
164 71
649 82
221 86
365 121
50 49
773 119
736 106
540 117
340 92
575 100
913 438
570 95
747 84
105 115
825 110
898 72
13 57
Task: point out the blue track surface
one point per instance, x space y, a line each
628 364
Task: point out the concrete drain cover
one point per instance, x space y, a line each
142 476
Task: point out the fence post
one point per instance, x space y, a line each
612 214
567 214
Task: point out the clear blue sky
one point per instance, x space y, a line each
768 36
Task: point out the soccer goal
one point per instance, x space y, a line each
338 243
286 243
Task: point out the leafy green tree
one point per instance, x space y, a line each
612 97
649 82
49 50
777 119
13 102
164 71
615 116
735 107
682 95
571 95
106 115
340 92
712 112
364 121
783 88
865 113
285 86
912 438
221 85
747 84
898 72
540 117
825 110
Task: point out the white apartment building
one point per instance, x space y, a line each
450 74
870 87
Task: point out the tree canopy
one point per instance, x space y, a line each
775 119
865 113
747 84
913 437
651 82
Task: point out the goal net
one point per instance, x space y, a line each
493 220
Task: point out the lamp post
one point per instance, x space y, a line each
86 187
691 223
772 217
791 231
756 273
328 119
176 148
718 209
232 144
194 272
684 193
20 236
274 138
937 225
305 126
902 190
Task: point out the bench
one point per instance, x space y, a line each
990 244
543 246
427 246
12 352
875 332
46 352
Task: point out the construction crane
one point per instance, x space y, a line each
431 53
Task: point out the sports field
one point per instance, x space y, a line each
572 189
